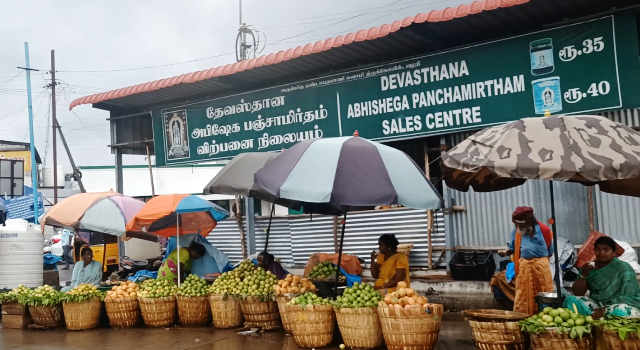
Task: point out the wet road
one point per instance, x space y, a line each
454 334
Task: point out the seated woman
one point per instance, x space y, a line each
169 267
612 285
267 261
88 271
389 267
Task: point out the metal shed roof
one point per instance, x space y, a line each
423 33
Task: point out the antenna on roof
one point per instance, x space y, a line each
247 50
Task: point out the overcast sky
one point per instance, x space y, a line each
104 45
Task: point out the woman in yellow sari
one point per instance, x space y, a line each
388 266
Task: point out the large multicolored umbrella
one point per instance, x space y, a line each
330 175
590 150
236 178
335 175
168 215
105 212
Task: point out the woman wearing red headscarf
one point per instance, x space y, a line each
531 246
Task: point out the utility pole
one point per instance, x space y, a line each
34 177
55 124
76 173
243 40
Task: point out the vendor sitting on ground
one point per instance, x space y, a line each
612 285
169 268
268 262
87 271
531 247
388 266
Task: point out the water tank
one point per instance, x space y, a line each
21 245
48 176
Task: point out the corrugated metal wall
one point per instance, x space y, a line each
293 239
487 219
617 216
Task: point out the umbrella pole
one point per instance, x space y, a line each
178 243
344 222
266 242
555 246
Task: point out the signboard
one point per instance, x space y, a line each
24 156
585 67
22 207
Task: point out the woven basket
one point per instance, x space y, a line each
123 312
613 341
360 327
498 335
313 325
194 311
415 328
47 316
404 248
287 319
263 314
82 315
226 313
489 315
158 312
552 340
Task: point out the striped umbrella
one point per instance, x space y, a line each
333 175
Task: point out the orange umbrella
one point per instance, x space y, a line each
162 213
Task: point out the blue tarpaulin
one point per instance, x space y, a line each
214 261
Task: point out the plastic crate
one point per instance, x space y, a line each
472 266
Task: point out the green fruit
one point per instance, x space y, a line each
541 315
547 309
547 319
574 316
579 322
589 319
554 313
565 315
565 324
558 320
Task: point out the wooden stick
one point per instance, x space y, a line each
335 234
429 212
239 222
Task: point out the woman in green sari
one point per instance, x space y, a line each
612 285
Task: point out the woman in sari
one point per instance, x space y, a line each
268 262
531 247
389 267
612 285
169 267
86 271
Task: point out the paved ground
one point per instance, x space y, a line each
454 335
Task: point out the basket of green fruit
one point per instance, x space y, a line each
358 319
313 320
82 307
225 309
45 307
620 333
157 300
325 272
559 329
193 302
259 305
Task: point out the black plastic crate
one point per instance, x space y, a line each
472 266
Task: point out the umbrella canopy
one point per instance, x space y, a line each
105 212
326 175
236 178
160 216
586 149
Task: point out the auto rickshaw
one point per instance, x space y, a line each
105 248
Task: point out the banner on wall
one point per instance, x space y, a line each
580 68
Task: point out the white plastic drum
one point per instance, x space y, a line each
21 260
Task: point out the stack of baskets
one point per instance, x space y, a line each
47 316
413 328
226 312
360 327
263 314
313 325
123 312
287 318
194 311
82 315
612 340
158 312
496 329
552 340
